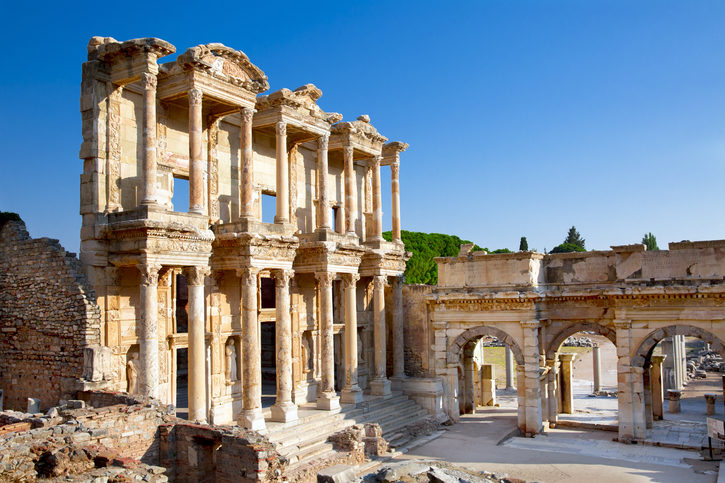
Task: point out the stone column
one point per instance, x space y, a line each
351 393
398 335
630 387
469 373
251 415
553 393
597 368
350 191
488 385
282 175
284 410
647 392
195 277
323 197
509 368
196 163
530 330
327 398
657 387
379 385
395 200
377 201
710 403
567 393
674 396
149 333
246 188
521 398
148 81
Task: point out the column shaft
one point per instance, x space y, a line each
469 398
377 201
597 369
657 387
282 175
351 393
251 416
246 189
326 398
197 344
379 385
148 82
284 409
398 334
350 191
567 393
196 163
149 333
395 200
323 220
509 368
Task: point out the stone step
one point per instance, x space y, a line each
302 453
310 437
400 413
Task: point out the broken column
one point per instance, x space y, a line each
33 405
597 369
656 384
488 385
710 403
567 392
674 397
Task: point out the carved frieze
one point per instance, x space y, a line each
213 170
113 146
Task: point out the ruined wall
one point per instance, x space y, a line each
47 318
417 329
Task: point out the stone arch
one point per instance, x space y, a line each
565 333
644 351
454 350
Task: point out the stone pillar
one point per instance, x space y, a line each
284 409
521 397
530 330
656 384
377 201
351 393
567 393
674 397
251 415
647 387
148 81
323 197
710 403
196 163
553 393
350 191
398 335
395 200
630 387
195 277
488 385
469 373
597 368
327 398
282 175
379 385
509 368
246 188
149 333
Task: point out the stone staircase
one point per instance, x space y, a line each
306 438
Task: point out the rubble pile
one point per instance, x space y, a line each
578 342
705 361
423 471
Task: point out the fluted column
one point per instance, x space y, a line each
246 188
284 409
398 334
377 201
323 220
351 393
251 416
395 200
379 385
350 191
148 81
149 333
196 163
326 397
195 277
282 175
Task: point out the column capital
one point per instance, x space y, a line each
195 96
395 169
379 280
375 161
283 276
351 279
149 273
248 275
398 279
530 324
323 141
148 81
281 128
658 359
567 356
196 276
347 152
325 278
247 114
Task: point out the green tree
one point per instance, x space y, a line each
523 245
567 248
650 242
574 238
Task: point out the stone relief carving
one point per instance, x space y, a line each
132 370
230 359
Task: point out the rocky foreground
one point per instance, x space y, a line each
427 471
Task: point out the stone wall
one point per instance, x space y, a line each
47 318
417 329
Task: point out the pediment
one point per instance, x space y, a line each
226 63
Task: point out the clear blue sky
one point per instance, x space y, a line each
523 117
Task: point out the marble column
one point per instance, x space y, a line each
567 392
351 393
553 393
196 163
398 335
148 82
149 333
246 188
469 374
327 398
350 191
251 415
395 200
284 409
597 368
282 175
377 201
657 387
323 196
379 385
509 368
195 277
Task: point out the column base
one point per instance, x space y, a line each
284 412
197 415
380 387
252 419
396 382
328 401
351 395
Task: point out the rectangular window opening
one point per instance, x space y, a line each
269 300
180 194
269 207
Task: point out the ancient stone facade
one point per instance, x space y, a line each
48 319
209 288
533 302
